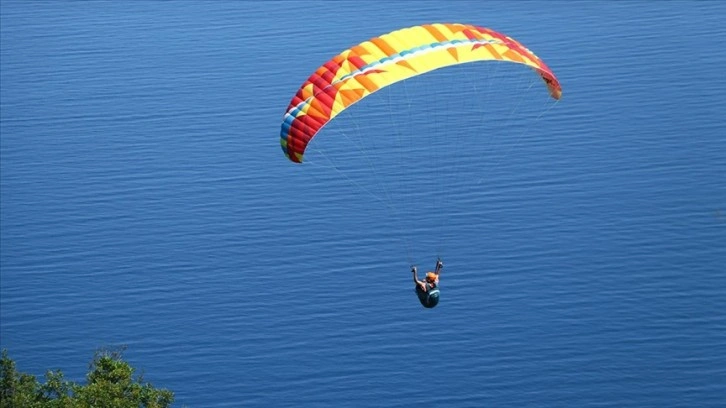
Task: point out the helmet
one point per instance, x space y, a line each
431 277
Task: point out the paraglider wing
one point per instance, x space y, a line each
381 61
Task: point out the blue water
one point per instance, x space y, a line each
145 202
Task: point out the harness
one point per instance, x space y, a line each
430 298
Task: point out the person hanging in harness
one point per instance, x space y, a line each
428 290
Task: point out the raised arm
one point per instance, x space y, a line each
439 265
421 284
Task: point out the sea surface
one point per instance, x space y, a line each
145 203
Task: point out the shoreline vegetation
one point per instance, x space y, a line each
110 382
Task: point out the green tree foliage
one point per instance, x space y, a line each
110 384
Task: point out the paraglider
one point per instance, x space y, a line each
370 66
427 290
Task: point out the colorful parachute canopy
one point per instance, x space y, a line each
381 61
